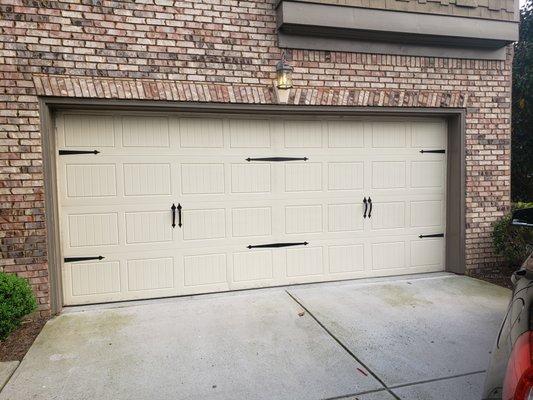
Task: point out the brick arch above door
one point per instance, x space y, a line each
164 90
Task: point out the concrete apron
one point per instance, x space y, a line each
425 336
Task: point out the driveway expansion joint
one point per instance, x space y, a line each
7 369
436 379
340 343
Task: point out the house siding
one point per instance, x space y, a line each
221 51
504 10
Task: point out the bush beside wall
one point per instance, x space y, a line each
513 243
16 301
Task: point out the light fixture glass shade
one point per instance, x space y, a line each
283 74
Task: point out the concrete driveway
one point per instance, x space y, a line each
419 337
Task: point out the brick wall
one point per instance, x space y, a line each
219 51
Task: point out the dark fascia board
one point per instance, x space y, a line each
292 41
324 20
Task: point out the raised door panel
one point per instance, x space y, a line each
92 230
201 133
145 131
147 179
304 262
79 130
148 227
303 177
202 178
150 274
90 180
253 266
252 221
345 175
251 178
205 269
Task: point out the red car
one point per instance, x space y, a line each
510 374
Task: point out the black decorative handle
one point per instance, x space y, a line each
431 236
74 152
366 206
370 211
179 215
278 159
270 245
433 151
173 208
74 259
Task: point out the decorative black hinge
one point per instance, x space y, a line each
74 259
433 151
74 152
270 245
431 236
278 159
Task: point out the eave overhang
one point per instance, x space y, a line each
326 21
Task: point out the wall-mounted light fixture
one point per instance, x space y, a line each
284 73
283 82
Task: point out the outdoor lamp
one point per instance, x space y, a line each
283 73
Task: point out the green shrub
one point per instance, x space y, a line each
513 243
16 301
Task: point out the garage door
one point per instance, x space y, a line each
165 205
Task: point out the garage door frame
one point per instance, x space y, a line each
455 258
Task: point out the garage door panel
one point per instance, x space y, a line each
303 219
346 176
389 135
145 131
252 221
253 266
250 134
427 252
388 174
345 134
91 180
390 215
345 259
206 178
302 134
204 224
201 133
427 174
427 213
150 274
345 217
90 230
428 135
89 279
303 177
148 227
304 262
205 269
388 255
117 204
87 130
251 178
147 179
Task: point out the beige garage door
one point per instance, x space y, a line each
258 202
